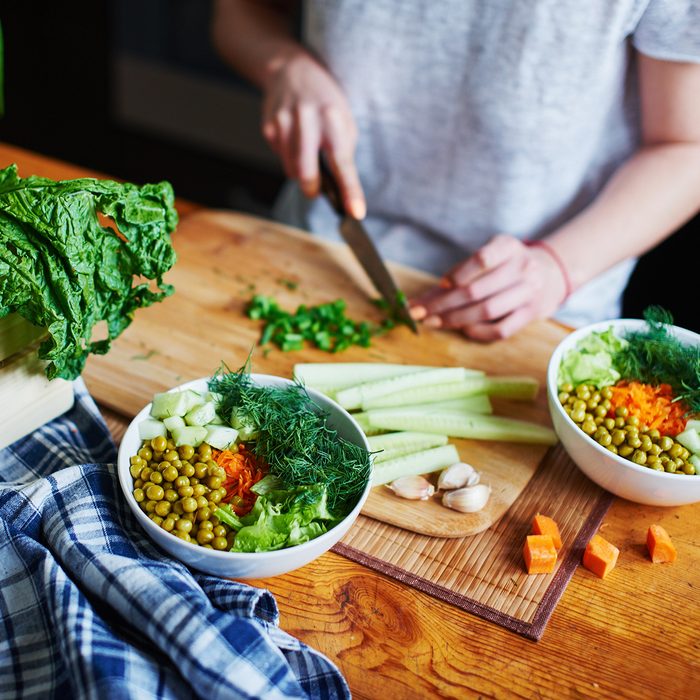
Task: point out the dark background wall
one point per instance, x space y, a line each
134 89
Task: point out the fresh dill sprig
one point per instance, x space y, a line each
293 437
655 356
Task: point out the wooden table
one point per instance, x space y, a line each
633 635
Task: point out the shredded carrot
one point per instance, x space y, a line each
653 405
243 470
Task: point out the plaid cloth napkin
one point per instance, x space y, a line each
91 608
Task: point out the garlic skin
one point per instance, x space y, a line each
457 475
470 499
414 488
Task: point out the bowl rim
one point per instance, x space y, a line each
568 342
225 555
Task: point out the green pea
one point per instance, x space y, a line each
155 492
219 543
567 387
186 452
676 450
159 443
665 443
183 525
639 457
139 495
588 426
163 508
647 444
578 416
189 505
170 473
621 412
625 450
605 439
618 437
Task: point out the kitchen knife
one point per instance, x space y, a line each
365 251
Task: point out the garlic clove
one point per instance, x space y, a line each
458 475
414 488
470 499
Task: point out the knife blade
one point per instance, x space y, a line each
362 246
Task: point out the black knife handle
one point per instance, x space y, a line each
329 186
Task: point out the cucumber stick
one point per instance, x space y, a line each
522 388
363 422
333 376
403 443
355 396
464 425
422 462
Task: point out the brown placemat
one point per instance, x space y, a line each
484 574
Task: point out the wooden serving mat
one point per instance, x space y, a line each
484 574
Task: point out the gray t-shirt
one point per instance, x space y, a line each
492 116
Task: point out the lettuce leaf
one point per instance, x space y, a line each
591 361
280 517
65 270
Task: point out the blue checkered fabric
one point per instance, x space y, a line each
91 608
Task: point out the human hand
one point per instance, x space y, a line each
497 291
304 112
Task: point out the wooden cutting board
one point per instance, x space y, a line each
225 258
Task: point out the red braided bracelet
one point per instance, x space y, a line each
568 286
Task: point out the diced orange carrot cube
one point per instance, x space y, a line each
600 556
544 525
659 544
540 554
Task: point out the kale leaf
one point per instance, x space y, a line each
65 268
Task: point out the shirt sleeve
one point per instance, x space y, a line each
669 30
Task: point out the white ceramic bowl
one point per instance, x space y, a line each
243 564
620 476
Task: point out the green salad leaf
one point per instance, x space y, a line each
281 517
592 361
64 269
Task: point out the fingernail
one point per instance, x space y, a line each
433 322
358 208
308 187
445 283
418 313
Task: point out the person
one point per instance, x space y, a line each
525 152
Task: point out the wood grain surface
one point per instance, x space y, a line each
632 635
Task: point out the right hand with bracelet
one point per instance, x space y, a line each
497 291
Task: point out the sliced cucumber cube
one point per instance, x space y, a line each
221 437
174 403
189 435
217 420
202 414
174 422
151 428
